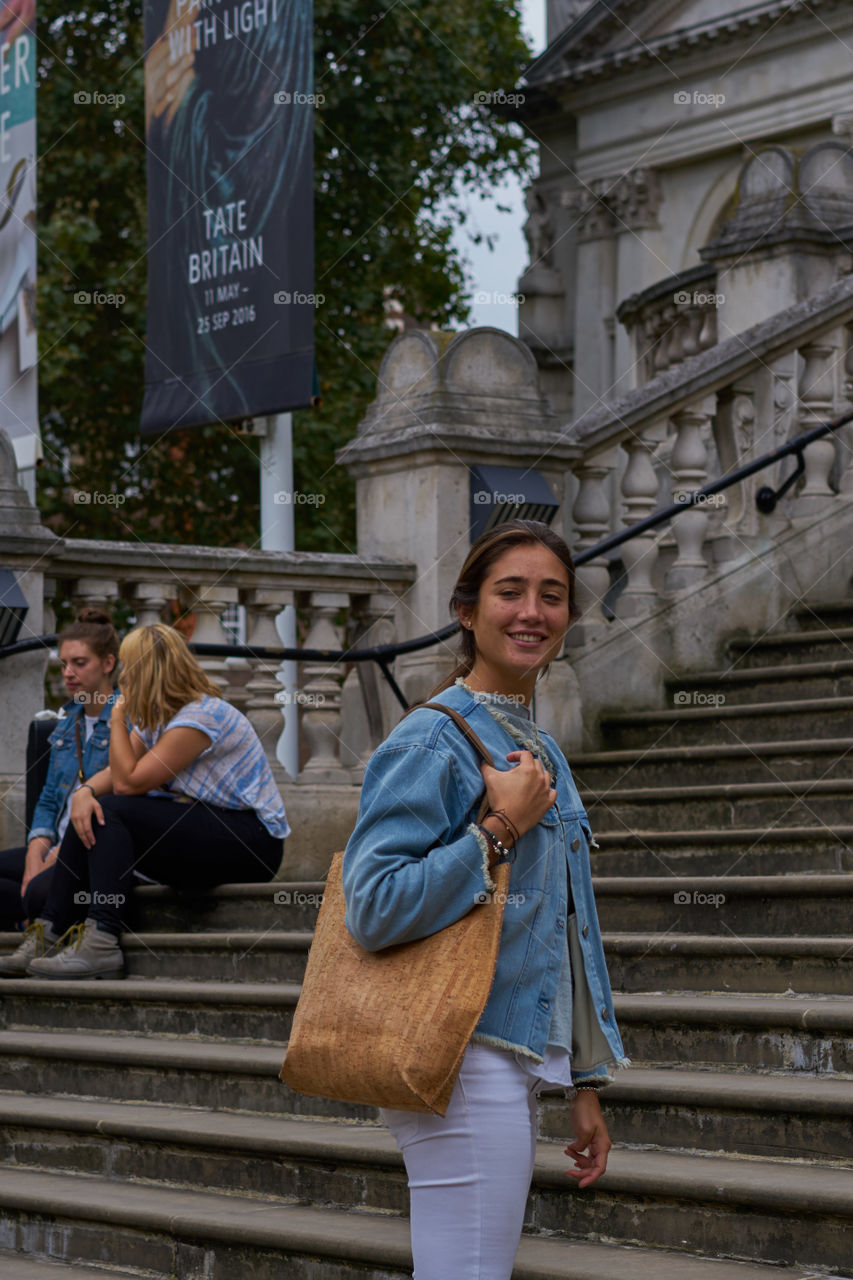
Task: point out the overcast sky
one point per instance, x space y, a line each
496 273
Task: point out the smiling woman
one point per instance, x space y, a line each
419 860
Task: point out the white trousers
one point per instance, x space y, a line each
470 1171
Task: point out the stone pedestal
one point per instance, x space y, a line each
446 402
25 548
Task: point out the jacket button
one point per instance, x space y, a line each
546 1004
605 1013
561 924
585 931
576 844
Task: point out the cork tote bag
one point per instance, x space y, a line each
389 1028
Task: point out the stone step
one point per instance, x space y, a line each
754 1115
180 1072
727 963
750 723
757 1114
283 907
781 1212
19 1266
735 804
782 906
812 644
766 1032
811 759
773 1032
192 1233
241 1011
735 685
821 615
725 852
217 957
718 961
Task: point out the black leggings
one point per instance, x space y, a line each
14 909
189 846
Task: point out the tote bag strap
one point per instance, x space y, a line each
461 723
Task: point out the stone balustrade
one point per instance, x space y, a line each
671 321
712 412
336 599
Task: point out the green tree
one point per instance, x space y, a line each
399 140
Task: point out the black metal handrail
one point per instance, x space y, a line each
384 654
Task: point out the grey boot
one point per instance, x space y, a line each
39 940
87 952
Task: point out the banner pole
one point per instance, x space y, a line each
278 534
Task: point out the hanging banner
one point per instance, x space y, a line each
229 114
18 339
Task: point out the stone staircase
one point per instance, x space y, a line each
146 1133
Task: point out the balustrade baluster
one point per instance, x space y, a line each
816 400
591 515
320 695
265 707
689 473
639 555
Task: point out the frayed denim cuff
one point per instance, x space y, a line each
486 850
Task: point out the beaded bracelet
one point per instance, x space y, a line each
506 855
510 826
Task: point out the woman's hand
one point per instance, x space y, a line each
85 807
591 1136
37 850
524 793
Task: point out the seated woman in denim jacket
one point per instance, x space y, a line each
416 862
88 653
189 800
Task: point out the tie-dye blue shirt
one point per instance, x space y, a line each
233 771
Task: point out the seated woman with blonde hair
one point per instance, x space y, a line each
215 814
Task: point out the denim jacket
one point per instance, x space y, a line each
62 767
412 866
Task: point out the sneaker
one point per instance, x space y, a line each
86 952
39 940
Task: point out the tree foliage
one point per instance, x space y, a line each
399 139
